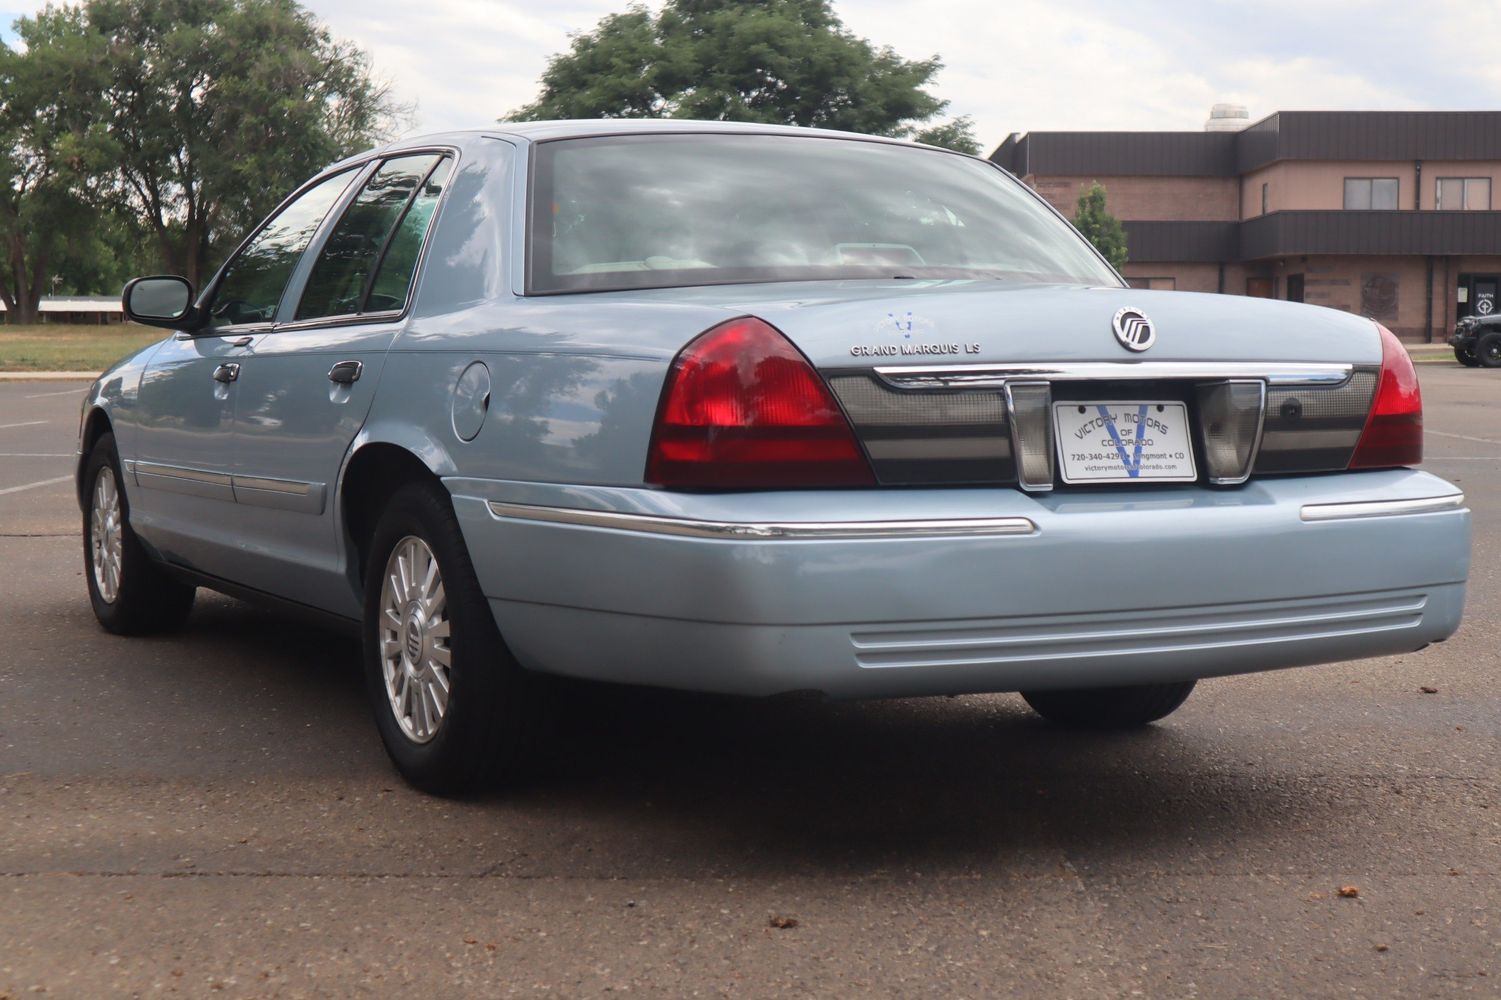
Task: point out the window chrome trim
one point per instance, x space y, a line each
1381 508
996 376
763 530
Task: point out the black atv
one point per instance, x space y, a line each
1477 341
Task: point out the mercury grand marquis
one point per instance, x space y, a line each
751 410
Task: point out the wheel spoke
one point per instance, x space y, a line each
412 614
438 692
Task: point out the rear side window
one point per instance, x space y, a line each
393 281
375 237
252 285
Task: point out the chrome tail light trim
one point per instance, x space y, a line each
996 376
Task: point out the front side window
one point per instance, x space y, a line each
1368 193
379 218
1464 194
253 283
673 210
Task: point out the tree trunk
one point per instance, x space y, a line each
28 309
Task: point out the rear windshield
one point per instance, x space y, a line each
668 210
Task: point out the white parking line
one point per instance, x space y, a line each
44 395
32 486
1462 437
24 423
36 454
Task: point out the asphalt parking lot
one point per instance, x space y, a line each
212 814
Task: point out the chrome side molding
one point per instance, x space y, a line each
996 376
282 494
1381 508
764 530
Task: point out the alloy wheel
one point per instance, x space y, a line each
106 544
416 659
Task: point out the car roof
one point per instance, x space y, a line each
580 128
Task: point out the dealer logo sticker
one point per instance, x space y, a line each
1133 329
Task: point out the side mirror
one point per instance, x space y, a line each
161 300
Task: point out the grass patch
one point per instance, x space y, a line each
68 347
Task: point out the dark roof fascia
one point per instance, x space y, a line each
1335 231
1283 135
1182 242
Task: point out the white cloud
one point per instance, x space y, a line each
1013 65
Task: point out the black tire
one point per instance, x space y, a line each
1488 350
495 712
1466 357
147 597
1109 708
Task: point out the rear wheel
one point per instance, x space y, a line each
1488 350
1466 357
1109 708
454 709
130 593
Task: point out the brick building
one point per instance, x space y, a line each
1395 215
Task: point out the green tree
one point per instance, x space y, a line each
215 109
1099 227
52 150
788 62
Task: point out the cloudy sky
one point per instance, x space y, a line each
1013 65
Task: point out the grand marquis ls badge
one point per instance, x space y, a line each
1133 329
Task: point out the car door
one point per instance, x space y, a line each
181 464
306 388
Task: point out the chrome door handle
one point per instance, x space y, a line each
346 372
227 372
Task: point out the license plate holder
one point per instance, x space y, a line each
1124 441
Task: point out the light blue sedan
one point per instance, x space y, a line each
751 410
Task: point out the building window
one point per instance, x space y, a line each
1265 199
1464 194
1159 284
1366 193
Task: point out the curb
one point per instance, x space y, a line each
48 376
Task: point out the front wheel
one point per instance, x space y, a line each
130 594
1488 350
1466 357
1109 708
453 708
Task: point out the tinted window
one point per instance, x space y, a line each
393 281
655 211
254 281
1364 193
352 251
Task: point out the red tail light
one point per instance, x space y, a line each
743 409
1393 432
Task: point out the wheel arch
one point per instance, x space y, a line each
96 424
375 470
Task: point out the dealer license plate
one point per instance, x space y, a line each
1119 442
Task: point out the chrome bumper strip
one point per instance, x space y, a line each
786 530
1381 508
996 376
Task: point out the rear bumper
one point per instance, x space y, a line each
883 593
